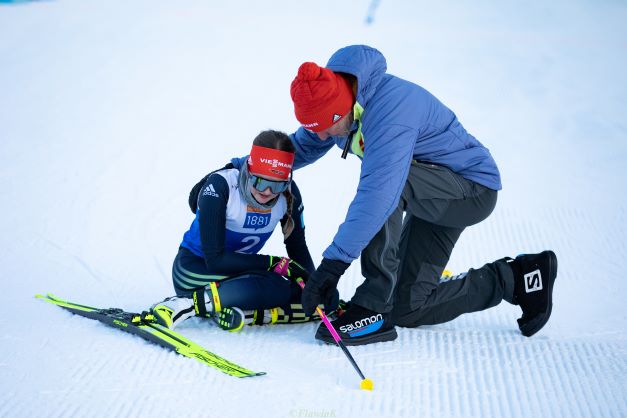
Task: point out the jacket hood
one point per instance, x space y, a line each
365 63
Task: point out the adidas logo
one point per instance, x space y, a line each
210 191
533 281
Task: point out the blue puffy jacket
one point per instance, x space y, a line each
398 121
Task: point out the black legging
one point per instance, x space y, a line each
248 290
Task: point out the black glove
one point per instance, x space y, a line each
288 268
322 284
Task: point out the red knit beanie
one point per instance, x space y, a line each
321 97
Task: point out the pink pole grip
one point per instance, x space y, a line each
282 266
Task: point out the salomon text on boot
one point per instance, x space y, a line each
358 326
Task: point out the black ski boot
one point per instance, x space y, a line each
534 275
358 326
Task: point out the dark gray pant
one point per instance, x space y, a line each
404 261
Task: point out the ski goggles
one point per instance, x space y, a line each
276 186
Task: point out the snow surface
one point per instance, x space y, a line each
110 112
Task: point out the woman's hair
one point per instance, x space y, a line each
274 139
279 140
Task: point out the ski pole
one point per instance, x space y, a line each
366 384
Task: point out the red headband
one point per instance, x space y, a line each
270 162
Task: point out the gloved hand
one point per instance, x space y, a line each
288 268
321 287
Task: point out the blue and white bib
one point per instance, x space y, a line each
247 229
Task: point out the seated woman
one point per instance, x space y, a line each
218 271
